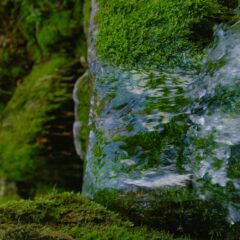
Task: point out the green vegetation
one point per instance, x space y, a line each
174 209
24 118
41 43
14 59
157 32
33 31
67 216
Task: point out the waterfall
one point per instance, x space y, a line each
167 128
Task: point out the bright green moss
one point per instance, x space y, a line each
155 32
68 216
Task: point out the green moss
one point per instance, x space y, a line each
42 91
40 44
67 216
174 209
155 32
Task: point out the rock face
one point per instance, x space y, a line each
143 123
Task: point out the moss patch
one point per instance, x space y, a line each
41 43
67 216
176 210
24 118
156 32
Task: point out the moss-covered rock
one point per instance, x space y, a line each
51 27
67 216
31 126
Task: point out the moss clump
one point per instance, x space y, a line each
156 32
26 122
176 210
67 216
40 45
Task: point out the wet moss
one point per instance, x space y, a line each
154 33
176 210
67 216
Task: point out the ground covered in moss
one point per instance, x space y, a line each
67 216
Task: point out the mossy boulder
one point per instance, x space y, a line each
67 216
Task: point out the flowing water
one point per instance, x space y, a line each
170 128
213 152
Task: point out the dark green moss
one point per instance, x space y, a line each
67 216
174 209
153 33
